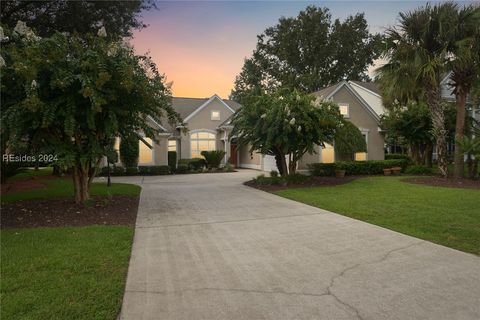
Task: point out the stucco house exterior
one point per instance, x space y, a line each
207 127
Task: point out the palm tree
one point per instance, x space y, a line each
417 53
465 68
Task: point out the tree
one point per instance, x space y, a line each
417 59
464 48
129 150
79 93
348 141
307 53
285 124
81 16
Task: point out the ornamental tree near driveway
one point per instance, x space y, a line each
79 92
286 123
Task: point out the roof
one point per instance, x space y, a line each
186 106
367 92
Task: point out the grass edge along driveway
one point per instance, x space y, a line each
65 272
446 216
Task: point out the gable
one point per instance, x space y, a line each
202 117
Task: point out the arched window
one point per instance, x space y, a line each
201 141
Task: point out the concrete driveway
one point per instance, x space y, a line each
207 247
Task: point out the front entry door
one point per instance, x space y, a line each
233 155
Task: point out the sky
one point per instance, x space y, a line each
201 45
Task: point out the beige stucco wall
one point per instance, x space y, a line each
248 159
361 118
202 121
309 158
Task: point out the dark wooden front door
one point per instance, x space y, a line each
233 155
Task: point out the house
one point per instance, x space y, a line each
360 103
207 127
206 120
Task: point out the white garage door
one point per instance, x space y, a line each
270 164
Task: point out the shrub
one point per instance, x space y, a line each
104 171
131 171
322 169
213 158
118 171
159 170
172 160
182 168
228 168
418 170
392 156
273 173
144 170
296 178
194 163
129 150
356 167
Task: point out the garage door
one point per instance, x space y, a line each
270 164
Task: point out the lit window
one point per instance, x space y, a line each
145 155
172 145
344 109
215 115
328 154
201 141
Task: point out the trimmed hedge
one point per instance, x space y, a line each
131 171
144 170
172 160
370 167
182 168
392 156
117 171
159 170
194 163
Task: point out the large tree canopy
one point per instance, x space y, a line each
307 53
285 123
81 16
77 93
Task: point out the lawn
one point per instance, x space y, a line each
65 272
447 216
24 173
63 187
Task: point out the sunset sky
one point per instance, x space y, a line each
201 46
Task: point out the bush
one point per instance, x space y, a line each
393 156
104 171
144 170
262 180
194 163
273 173
213 158
296 178
118 171
418 170
129 150
172 160
159 170
228 168
182 168
131 171
356 167
322 169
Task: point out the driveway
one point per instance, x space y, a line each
207 247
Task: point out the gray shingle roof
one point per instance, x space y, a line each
185 106
369 86
326 91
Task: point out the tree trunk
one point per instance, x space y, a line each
428 155
461 98
281 163
438 122
292 165
80 184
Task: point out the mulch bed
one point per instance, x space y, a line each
115 210
26 184
314 182
442 182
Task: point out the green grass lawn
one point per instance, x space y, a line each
447 216
67 272
64 273
63 187
24 173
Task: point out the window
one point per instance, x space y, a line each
328 154
344 109
145 155
362 156
215 115
172 145
201 141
